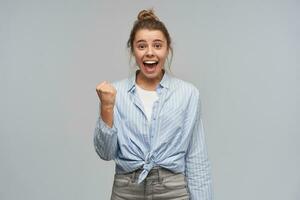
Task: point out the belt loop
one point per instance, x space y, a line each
159 172
133 176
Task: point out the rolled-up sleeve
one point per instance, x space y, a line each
105 140
197 165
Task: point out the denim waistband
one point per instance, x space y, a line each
156 173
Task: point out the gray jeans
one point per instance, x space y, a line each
160 184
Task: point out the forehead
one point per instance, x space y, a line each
149 35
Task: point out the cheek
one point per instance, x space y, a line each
164 56
137 55
138 59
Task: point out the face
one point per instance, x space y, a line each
150 50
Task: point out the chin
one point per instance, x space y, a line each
153 75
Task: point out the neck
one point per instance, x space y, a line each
146 83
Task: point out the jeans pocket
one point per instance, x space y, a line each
121 180
176 181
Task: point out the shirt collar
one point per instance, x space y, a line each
164 83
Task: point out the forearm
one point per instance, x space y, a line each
105 140
199 180
107 114
197 164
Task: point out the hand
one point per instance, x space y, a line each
107 94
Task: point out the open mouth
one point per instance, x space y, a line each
150 63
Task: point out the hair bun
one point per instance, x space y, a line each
147 15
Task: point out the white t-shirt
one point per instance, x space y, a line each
148 98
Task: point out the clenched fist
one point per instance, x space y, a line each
107 94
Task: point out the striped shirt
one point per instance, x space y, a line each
173 138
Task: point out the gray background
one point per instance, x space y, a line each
242 55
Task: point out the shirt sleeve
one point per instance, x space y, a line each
197 165
105 140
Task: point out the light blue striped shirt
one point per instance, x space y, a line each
173 139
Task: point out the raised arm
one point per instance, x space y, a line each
105 136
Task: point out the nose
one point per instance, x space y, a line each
150 51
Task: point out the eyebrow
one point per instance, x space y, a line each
140 41
157 40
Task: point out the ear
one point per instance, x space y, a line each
132 53
170 51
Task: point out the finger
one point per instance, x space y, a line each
101 85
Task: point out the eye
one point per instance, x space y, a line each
157 45
141 46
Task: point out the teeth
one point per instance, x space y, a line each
150 62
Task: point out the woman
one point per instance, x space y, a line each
150 125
